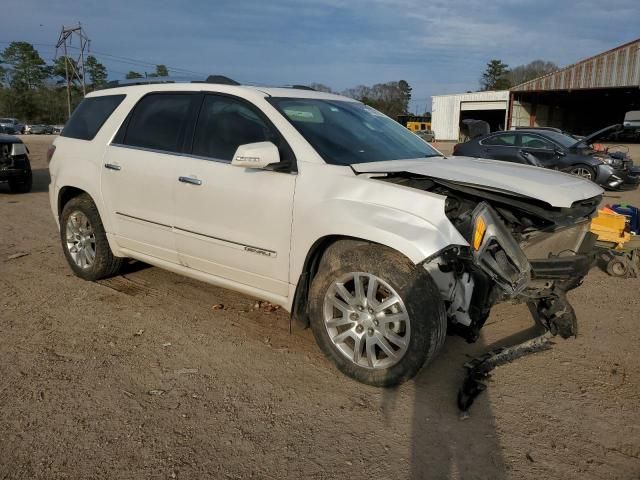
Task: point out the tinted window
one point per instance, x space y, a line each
561 138
534 141
158 122
90 115
346 133
226 123
508 140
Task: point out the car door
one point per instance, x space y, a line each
541 148
140 172
233 222
501 146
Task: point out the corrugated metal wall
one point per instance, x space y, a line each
445 111
619 67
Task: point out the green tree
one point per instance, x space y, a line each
495 77
133 74
391 98
320 87
161 71
60 67
535 69
28 69
96 71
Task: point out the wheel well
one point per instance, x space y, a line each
66 194
309 270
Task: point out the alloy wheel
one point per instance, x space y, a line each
81 240
367 320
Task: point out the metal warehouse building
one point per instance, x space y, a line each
447 111
583 97
580 98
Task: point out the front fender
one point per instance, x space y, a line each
405 219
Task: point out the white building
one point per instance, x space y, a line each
448 110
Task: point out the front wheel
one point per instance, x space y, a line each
375 314
584 171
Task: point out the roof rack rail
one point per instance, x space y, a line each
302 87
221 79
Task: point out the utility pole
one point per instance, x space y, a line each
73 70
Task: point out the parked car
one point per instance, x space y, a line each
41 129
426 135
15 167
553 149
11 125
320 204
57 129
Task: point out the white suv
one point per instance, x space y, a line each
322 205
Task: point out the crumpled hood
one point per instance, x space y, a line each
555 188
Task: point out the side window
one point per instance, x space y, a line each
506 140
226 123
90 115
534 141
158 122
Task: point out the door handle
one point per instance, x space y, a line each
191 180
112 166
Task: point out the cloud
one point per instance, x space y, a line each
440 46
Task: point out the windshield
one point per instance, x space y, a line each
344 133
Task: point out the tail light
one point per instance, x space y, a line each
50 153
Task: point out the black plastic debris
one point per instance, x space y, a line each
478 369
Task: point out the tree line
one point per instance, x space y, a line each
35 92
498 75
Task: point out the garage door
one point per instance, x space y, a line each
493 105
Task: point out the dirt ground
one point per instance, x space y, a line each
139 377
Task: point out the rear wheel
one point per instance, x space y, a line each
377 316
584 171
84 240
22 184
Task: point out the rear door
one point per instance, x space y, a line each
234 222
139 173
501 146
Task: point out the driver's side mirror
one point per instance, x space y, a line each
256 155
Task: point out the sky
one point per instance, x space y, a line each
438 46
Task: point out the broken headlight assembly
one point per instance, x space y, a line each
496 252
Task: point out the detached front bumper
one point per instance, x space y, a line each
608 177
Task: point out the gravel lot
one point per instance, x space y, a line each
139 377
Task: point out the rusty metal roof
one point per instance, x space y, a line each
618 67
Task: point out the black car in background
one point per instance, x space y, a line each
551 148
41 129
15 167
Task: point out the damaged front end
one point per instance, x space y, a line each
520 250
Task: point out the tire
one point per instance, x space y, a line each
22 184
81 229
419 303
583 171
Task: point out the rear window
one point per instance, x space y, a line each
90 115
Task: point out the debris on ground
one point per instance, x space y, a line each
17 255
139 332
166 344
185 371
218 306
478 369
156 392
266 306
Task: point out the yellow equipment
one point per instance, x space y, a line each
610 227
618 247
